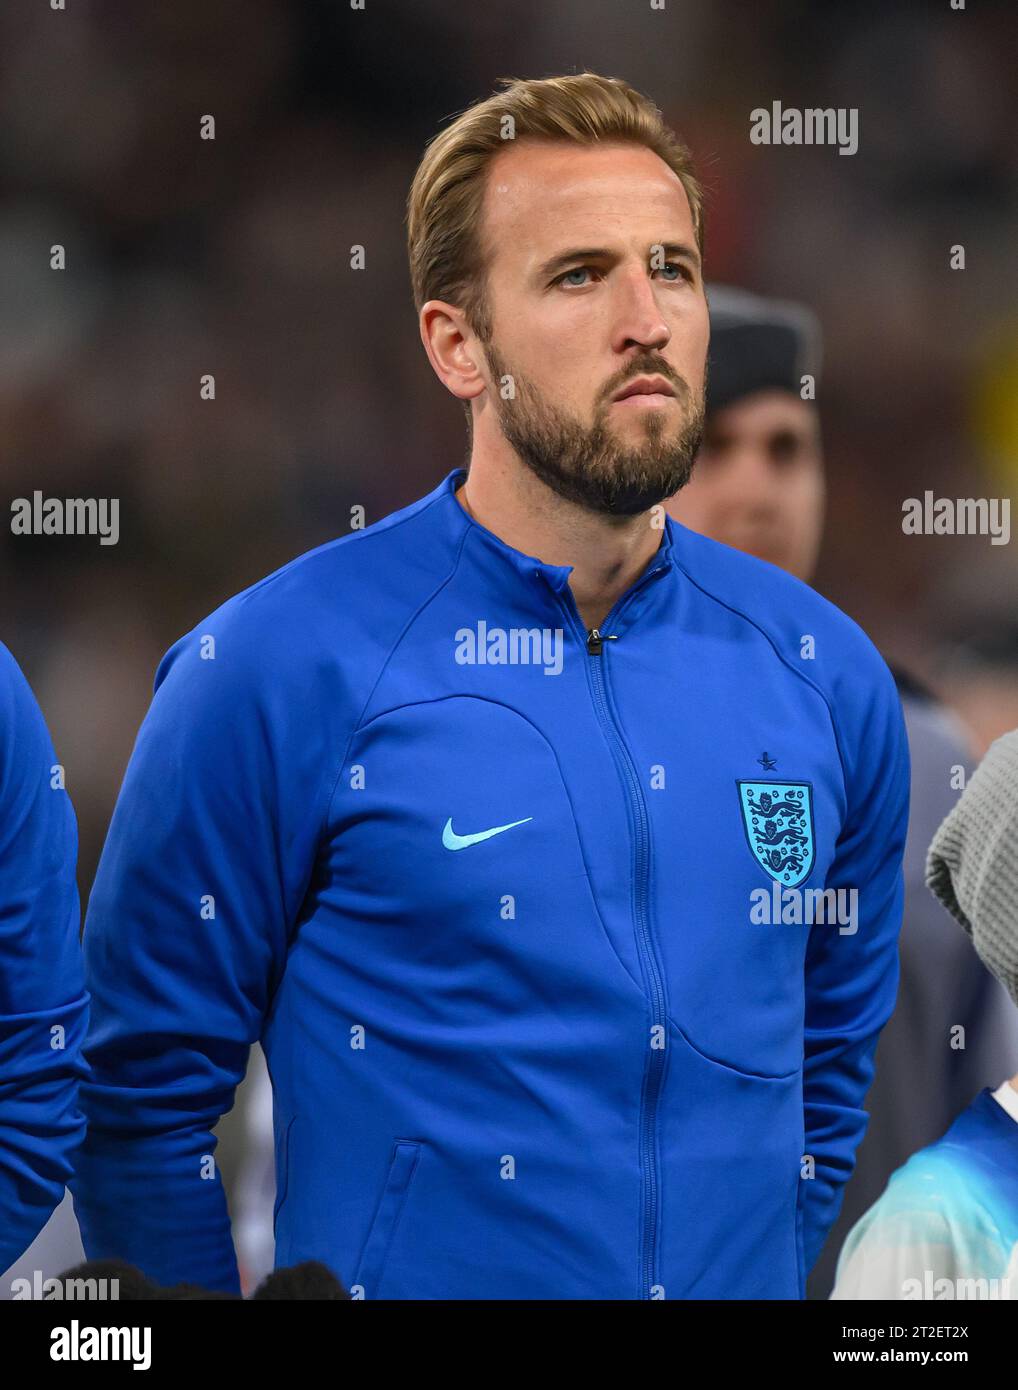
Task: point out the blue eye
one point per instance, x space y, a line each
578 270
681 272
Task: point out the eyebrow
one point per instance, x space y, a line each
602 253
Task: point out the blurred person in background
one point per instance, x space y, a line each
759 485
500 1066
43 1003
977 674
947 1225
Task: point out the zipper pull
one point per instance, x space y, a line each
596 639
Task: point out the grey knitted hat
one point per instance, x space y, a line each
972 864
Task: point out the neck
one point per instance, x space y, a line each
608 554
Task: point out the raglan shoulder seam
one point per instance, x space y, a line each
354 538
358 723
801 675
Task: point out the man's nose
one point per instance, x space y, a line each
755 483
638 317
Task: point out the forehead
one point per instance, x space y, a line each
541 192
763 413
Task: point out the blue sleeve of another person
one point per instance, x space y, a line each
43 1001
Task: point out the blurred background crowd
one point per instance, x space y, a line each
232 257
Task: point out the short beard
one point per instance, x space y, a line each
588 465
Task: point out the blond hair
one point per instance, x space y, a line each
444 207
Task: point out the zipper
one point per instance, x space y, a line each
654 1067
596 640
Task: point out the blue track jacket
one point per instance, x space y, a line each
43 1004
498 896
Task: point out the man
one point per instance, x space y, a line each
759 485
465 816
43 1004
947 1225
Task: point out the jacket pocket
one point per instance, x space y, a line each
402 1166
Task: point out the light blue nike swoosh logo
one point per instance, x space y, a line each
453 841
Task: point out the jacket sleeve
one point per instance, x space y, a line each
852 976
206 863
891 1253
43 1004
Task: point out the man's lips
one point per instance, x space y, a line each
657 398
649 389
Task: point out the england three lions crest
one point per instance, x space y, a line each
778 820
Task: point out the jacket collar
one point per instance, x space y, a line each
529 566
